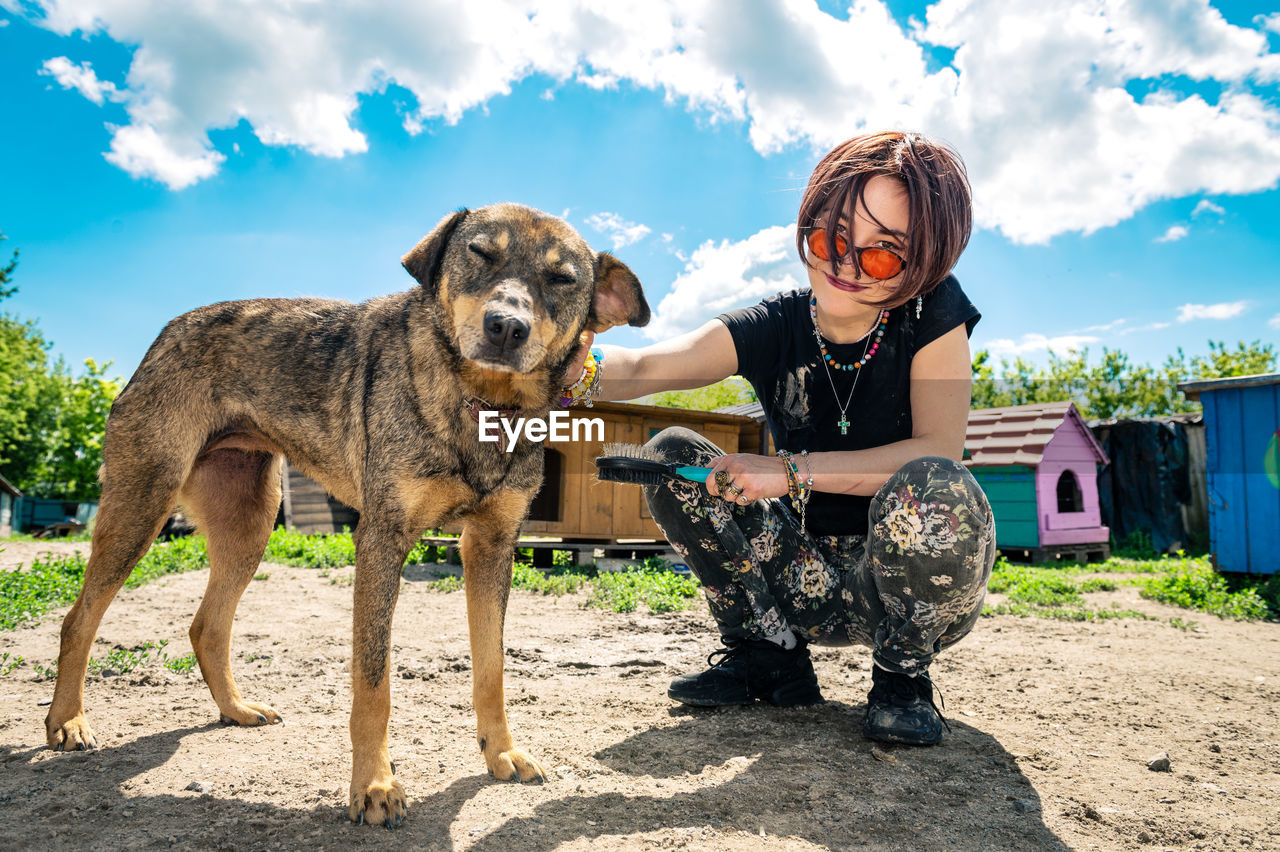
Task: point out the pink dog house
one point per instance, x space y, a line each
1038 465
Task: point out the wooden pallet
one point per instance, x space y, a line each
1099 552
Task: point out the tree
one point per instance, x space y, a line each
51 422
1114 387
731 391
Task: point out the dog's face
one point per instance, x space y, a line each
517 286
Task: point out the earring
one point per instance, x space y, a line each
919 305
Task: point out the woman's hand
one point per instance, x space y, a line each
746 477
574 370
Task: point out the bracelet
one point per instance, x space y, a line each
588 384
798 490
788 465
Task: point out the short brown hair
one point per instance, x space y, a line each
939 201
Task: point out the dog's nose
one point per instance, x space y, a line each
505 331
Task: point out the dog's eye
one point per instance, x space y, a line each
561 278
484 255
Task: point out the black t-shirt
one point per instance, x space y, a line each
778 355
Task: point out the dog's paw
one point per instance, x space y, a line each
72 735
514 765
250 714
381 802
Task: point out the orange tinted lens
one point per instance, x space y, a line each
879 263
818 244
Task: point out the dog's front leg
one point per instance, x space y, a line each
376 796
488 543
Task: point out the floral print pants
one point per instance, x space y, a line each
908 589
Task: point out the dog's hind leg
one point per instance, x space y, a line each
133 508
234 496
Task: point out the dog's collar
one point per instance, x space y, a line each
473 405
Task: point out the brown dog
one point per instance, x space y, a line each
378 402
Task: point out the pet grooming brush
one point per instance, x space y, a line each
636 464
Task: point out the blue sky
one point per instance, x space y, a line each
160 156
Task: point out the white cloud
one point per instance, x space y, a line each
1274 322
1063 343
1035 98
1268 22
1175 232
621 232
1220 311
725 275
143 152
1207 206
81 78
1155 326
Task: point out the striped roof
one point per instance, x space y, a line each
1018 434
1015 434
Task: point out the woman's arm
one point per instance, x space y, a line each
940 387
702 357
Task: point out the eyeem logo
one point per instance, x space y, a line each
558 426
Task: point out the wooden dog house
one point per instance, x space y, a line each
573 505
1038 465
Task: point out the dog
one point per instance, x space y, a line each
379 402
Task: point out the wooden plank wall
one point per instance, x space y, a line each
1012 493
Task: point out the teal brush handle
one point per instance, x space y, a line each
693 474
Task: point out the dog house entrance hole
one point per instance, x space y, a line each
1070 497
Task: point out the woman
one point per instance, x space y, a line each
865 528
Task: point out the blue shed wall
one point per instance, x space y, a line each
1244 507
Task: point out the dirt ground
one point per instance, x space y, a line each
1053 725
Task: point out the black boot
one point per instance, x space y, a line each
745 670
900 709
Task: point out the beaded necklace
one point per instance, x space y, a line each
868 352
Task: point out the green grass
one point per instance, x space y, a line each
1056 590
52 581
83 535
1194 584
125 660
289 547
652 584
182 665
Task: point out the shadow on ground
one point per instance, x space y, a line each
798 774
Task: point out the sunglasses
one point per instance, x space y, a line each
877 262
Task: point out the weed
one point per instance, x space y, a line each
45 672
7 665
182 665
1183 624
445 584
124 660
1194 584
290 547
51 581
1136 545
525 576
652 584
262 575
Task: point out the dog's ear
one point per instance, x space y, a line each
423 260
618 299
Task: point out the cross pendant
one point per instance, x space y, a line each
843 424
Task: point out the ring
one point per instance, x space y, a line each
722 479
731 487
742 500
